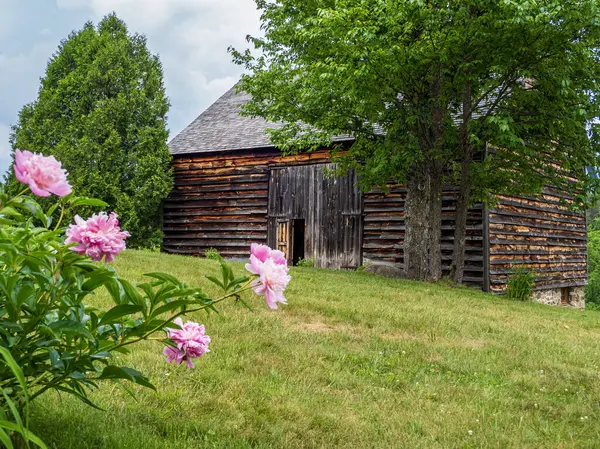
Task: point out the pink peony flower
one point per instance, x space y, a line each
43 174
98 237
271 268
191 343
263 252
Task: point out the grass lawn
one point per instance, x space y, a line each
354 360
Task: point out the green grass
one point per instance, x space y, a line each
354 360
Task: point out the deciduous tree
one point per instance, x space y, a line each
424 86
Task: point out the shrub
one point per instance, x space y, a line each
520 284
54 337
306 263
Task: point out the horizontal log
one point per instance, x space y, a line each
538 260
208 244
539 279
217 220
549 269
507 221
234 188
231 195
560 219
538 208
529 252
215 204
223 212
537 243
242 227
215 235
579 236
215 182
183 173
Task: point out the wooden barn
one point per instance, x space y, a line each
232 188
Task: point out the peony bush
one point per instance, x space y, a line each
52 337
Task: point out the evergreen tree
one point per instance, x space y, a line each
101 111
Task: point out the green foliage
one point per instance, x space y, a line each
101 110
306 263
398 75
57 339
14 424
592 290
520 284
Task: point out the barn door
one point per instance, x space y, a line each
283 237
315 216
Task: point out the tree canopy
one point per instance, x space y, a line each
427 87
101 110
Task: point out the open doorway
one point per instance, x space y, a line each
297 241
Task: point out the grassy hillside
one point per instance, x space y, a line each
354 360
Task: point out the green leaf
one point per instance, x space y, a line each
215 281
164 277
5 439
116 372
114 314
115 290
84 201
14 366
179 303
79 396
72 328
97 279
29 437
131 293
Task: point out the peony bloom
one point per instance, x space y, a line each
43 174
191 343
98 237
263 252
271 268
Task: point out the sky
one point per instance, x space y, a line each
190 36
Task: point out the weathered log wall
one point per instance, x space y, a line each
541 234
383 235
221 201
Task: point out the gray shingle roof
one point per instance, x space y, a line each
222 128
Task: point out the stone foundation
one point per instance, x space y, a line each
573 297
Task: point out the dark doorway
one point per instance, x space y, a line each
297 240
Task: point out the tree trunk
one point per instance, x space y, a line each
423 220
423 207
435 220
464 192
416 220
460 226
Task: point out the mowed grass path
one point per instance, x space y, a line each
354 360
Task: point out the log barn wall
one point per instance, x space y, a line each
541 234
383 235
220 201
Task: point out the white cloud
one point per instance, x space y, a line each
191 37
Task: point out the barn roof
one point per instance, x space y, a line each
221 128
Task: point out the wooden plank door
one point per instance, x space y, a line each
283 237
330 208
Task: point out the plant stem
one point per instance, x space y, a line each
62 214
245 287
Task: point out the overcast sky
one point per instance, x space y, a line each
190 36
